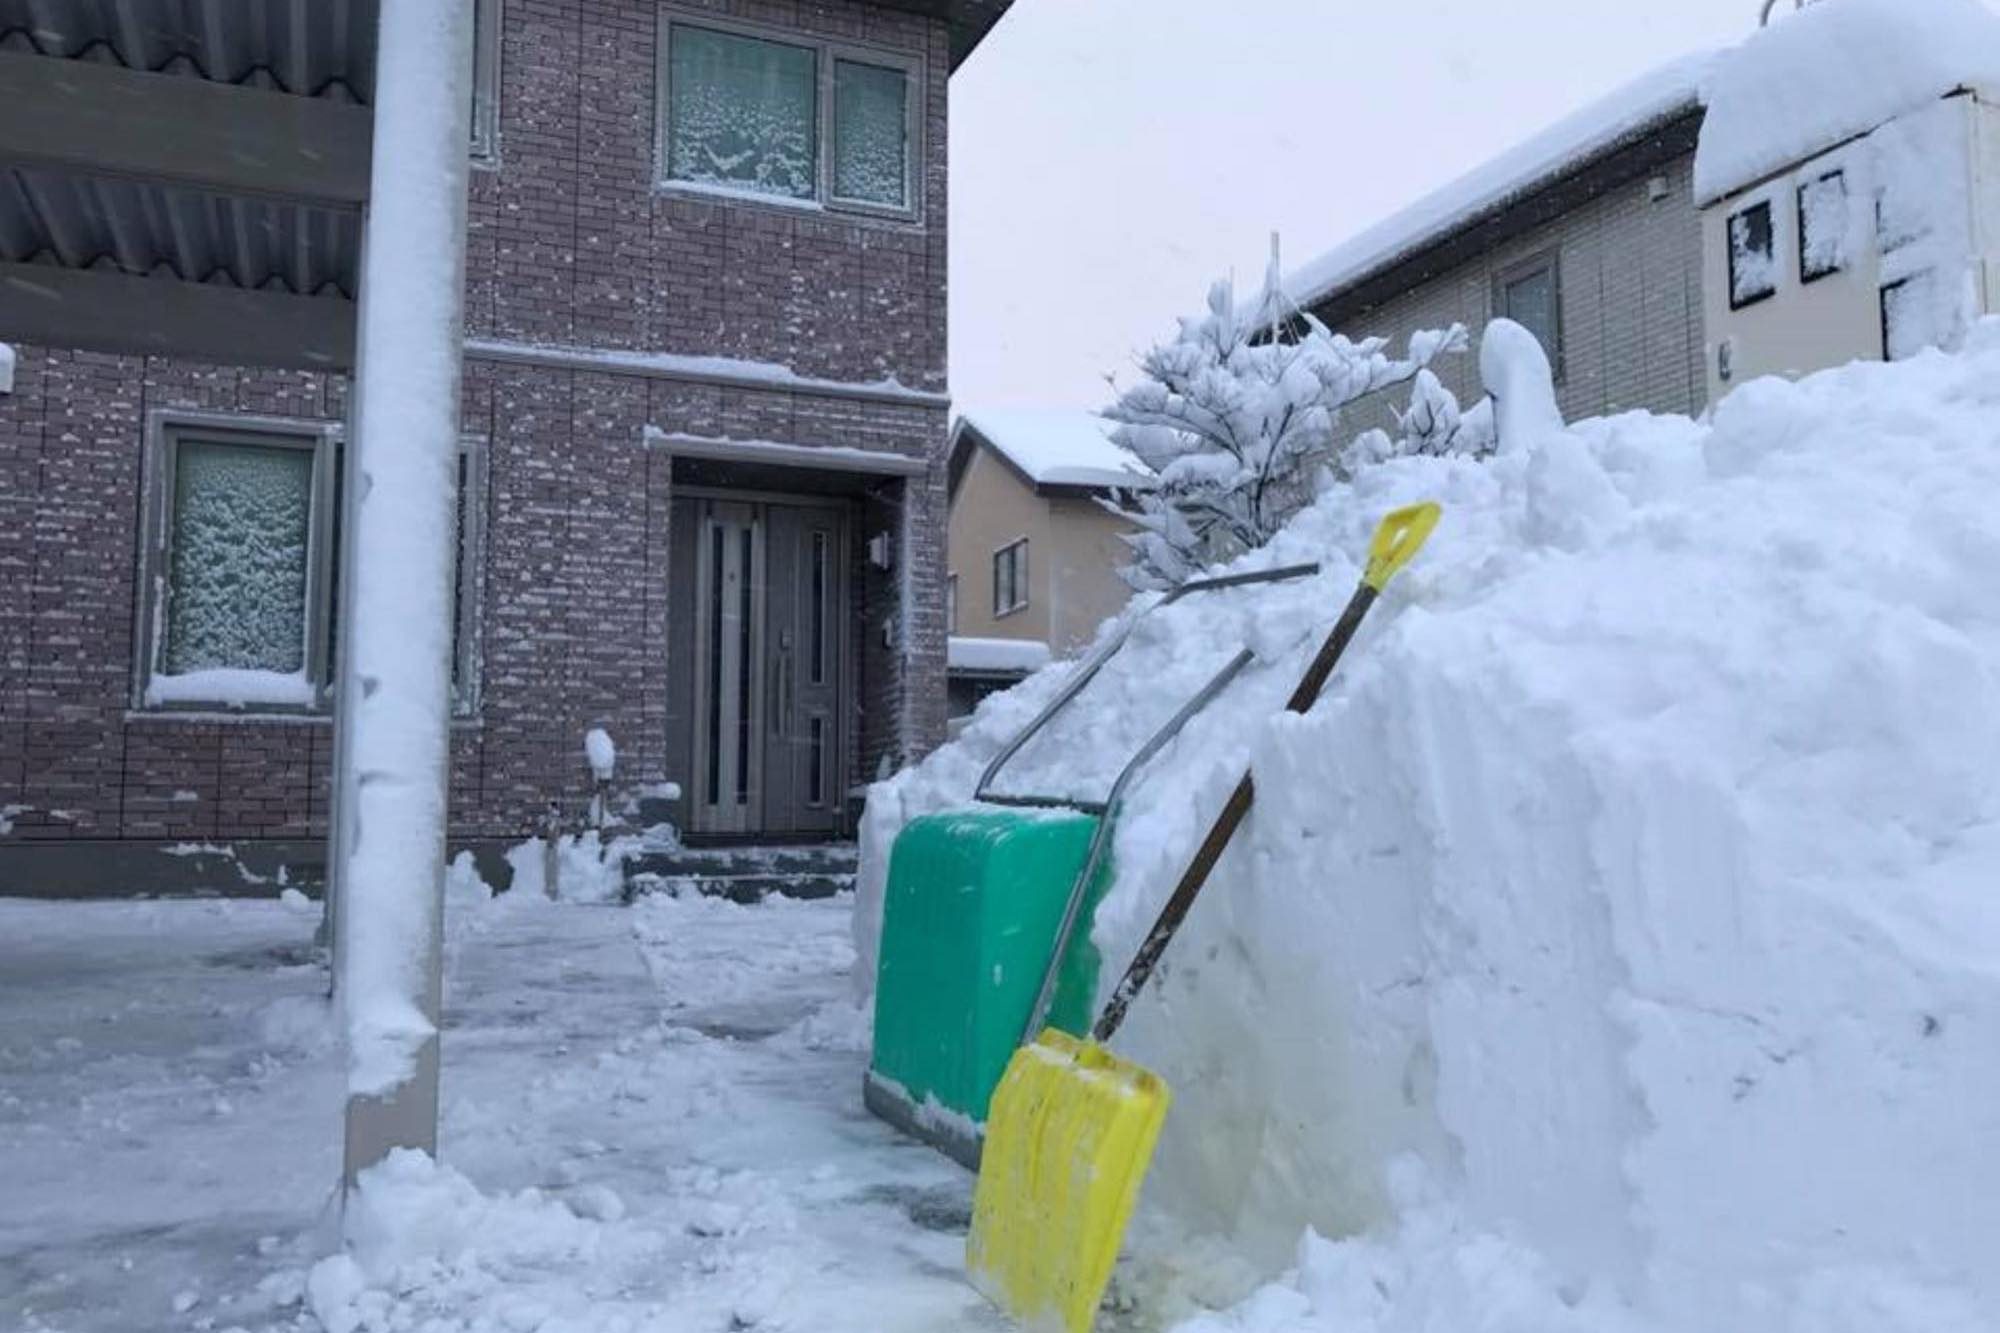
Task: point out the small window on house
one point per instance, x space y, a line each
1530 294
236 598
871 134
486 80
1753 257
951 604
1908 325
465 584
742 112
777 114
1010 578
1823 226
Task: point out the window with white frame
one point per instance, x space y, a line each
776 114
1010 577
240 592
951 604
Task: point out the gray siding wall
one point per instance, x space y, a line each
1630 270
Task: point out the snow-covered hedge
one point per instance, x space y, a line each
1631 895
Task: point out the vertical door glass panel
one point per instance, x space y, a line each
744 695
871 134
821 571
742 112
815 774
715 619
240 558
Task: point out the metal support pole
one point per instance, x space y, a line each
395 695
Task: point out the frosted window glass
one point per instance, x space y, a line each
742 113
871 134
236 583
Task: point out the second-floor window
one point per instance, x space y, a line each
1010 577
782 116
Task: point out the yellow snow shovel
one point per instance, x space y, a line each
1071 1127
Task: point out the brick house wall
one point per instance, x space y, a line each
571 246
1631 303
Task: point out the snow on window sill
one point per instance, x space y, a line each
850 210
233 688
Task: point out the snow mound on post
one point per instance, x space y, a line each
1632 884
1836 70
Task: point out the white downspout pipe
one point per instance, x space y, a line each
395 694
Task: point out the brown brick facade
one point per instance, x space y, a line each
573 246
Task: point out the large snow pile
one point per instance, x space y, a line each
1618 940
1838 69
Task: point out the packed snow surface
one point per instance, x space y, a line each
1656 96
1057 448
1615 946
1836 69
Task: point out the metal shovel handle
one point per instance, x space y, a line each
1397 540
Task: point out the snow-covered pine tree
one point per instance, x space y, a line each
1236 415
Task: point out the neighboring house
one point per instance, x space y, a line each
1779 207
702 485
1033 555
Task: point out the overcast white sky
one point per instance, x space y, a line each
1110 157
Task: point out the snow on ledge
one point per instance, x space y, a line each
231 687
6 368
698 369
965 653
1833 71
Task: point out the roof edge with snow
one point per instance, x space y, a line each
1633 131
1048 451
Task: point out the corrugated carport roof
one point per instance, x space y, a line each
310 48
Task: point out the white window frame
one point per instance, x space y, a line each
826 54
486 84
1019 577
166 430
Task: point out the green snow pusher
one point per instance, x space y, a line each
981 946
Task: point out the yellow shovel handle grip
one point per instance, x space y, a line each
1400 536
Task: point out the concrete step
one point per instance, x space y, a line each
744 874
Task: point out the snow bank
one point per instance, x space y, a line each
1836 70
1634 878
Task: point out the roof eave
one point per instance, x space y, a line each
1637 152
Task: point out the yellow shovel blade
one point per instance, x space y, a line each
1069 1134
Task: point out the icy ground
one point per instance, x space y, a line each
652 1121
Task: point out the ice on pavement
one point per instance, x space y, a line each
652 1121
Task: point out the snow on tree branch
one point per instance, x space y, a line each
1236 415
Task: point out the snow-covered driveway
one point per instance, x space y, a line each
652 1122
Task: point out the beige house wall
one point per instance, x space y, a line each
992 508
1085 553
1073 557
1836 319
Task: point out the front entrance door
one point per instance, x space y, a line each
770 610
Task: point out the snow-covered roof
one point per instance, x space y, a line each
1667 92
966 653
1058 448
1835 70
